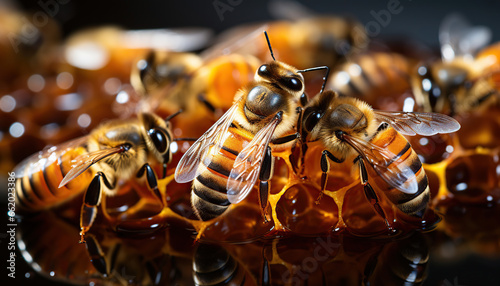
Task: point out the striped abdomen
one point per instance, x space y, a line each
371 75
209 194
213 265
39 189
412 204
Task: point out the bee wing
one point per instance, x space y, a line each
458 38
234 41
412 123
38 161
246 167
400 176
175 39
188 165
81 163
289 10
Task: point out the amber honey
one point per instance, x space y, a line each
339 239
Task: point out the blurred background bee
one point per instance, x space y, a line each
169 81
95 164
319 40
374 77
237 151
461 81
349 129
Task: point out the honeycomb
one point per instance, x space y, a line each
46 100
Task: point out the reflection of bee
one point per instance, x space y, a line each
402 262
213 265
115 150
349 128
236 151
459 82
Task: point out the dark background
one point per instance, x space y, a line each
418 19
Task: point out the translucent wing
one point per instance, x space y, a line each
289 10
177 39
246 167
237 40
38 161
459 38
81 163
188 165
389 166
412 123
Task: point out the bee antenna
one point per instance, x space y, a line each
269 44
318 68
173 115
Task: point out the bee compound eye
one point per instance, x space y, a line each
293 84
311 120
159 139
263 71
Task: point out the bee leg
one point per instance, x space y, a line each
325 168
286 139
97 256
265 175
91 200
166 160
152 181
370 193
297 154
206 103
303 100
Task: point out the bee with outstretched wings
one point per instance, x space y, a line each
350 128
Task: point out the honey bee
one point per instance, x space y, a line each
368 76
164 74
350 129
237 151
93 164
460 81
179 80
319 40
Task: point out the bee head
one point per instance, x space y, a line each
437 83
277 87
157 135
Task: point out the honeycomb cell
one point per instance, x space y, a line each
480 130
432 149
359 216
434 183
242 222
297 211
473 177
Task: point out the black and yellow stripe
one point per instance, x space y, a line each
38 190
209 193
411 204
